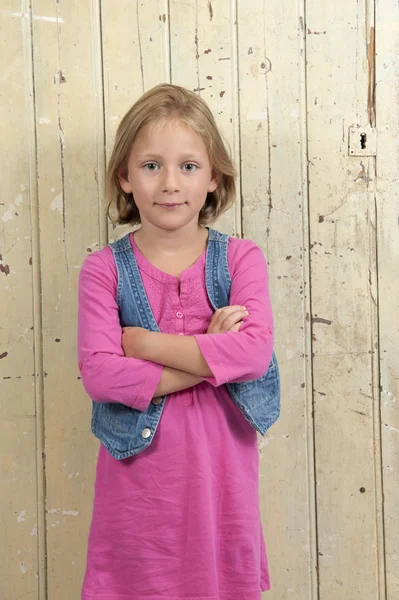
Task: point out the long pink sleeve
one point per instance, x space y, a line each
107 375
244 355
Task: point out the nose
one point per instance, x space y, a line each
170 180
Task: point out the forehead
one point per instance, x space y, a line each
172 136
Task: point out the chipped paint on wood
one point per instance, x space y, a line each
326 222
371 77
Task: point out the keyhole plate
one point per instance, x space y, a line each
362 141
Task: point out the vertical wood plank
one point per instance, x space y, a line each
70 139
19 559
61 112
344 316
204 59
274 205
387 93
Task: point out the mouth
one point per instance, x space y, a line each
170 205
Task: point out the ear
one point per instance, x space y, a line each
123 177
214 182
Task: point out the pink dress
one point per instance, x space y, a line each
180 520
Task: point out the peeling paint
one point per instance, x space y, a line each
55 524
21 516
198 89
363 175
73 513
58 303
371 78
140 46
390 428
25 15
57 203
7 216
320 320
5 269
59 77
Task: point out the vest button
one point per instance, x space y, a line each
157 400
146 432
179 315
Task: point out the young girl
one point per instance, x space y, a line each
179 518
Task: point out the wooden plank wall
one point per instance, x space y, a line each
285 83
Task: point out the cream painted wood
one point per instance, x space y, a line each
343 303
69 125
18 483
274 184
387 121
285 85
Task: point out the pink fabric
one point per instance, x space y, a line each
180 520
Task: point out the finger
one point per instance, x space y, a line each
233 319
236 326
224 312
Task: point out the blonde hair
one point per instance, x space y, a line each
154 108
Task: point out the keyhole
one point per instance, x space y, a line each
363 138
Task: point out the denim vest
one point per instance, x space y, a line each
126 431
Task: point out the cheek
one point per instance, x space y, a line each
142 186
201 185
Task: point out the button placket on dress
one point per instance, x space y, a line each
180 315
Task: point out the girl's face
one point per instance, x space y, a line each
169 175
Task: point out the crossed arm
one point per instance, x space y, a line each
183 362
164 363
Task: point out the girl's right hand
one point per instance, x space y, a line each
228 318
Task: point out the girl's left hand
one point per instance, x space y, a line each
133 341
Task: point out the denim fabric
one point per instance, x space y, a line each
119 427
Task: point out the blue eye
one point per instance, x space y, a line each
191 165
150 165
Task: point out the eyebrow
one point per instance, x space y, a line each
158 156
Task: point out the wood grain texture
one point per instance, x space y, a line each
387 167
70 138
274 206
285 82
20 560
344 313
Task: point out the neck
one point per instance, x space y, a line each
171 242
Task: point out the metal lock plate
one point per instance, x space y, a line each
362 141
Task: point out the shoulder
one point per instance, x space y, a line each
240 245
243 254
99 265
